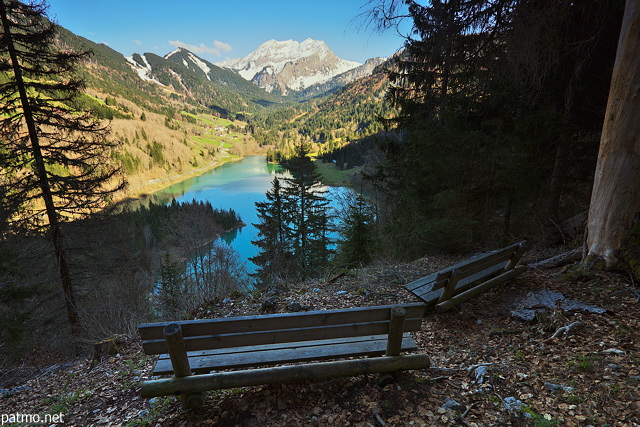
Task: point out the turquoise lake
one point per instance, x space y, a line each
236 185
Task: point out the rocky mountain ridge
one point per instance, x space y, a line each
341 80
289 66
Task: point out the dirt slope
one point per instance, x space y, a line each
489 367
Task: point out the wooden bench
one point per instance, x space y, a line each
452 286
238 343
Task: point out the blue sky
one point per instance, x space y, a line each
217 30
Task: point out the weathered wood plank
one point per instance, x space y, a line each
282 374
477 267
285 345
517 255
396 327
180 363
252 358
476 290
432 296
450 286
433 285
488 255
153 331
205 342
435 277
177 354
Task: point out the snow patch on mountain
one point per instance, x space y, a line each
191 61
200 64
178 50
144 71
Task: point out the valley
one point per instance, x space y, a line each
177 116
157 152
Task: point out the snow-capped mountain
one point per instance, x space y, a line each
142 67
191 61
286 66
184 72
343 79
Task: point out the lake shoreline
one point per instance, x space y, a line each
155 185
158 184
238 186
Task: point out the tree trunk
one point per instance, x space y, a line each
615 200
558 176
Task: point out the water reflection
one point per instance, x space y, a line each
237 185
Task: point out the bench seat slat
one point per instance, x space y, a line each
216 341
423 281
230 350
245 357
153 331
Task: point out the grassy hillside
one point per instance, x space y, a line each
159 150
184 124
330 122
167 132
231 88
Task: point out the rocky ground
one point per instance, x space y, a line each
569 365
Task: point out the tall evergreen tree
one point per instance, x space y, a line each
54 160
436 173
172 288
294 224
275 256
357 231
308 213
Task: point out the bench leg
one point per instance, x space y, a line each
180 363
394 342
450 287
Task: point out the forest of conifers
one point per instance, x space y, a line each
501 109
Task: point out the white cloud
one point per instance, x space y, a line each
222 46
138 42
217 48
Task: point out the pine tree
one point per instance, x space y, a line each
494 99
309 213
55 161
172 289
274 259
294 224
358 243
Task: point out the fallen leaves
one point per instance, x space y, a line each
595 367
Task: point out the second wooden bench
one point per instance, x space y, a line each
452 286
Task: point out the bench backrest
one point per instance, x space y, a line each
209 334
475 269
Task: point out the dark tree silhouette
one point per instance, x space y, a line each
55 160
